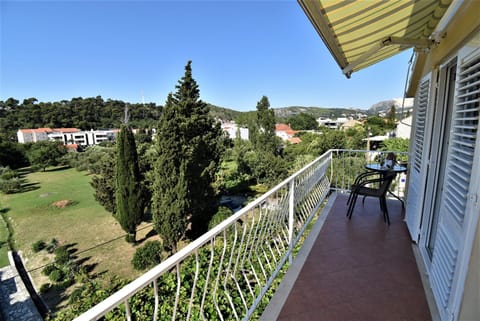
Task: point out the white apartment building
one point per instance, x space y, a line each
234 131
66 135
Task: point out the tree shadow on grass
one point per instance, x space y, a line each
4 210
147 236
28 187
57 169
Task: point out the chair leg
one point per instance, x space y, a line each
380 200
350 197
363 200
385 212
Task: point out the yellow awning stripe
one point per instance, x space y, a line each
363 32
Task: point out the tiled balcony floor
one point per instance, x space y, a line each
359 270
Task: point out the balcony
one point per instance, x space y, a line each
293 244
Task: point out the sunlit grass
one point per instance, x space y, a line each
3 244
90 230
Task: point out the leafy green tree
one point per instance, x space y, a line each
303 121
104 182
397 145
129 200
354 137
45 153
391 117
12 155
190 145
376 125
264 138
147 256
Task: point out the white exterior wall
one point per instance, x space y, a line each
404 128
232 131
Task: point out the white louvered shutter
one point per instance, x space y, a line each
451 242
416 179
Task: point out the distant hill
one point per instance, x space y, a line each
384 106
285 112
328 112
223 113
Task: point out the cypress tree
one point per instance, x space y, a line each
190 145
265 137
129 198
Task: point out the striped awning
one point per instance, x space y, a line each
361 33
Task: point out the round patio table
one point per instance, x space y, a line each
376 167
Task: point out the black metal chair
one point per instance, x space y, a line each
374 185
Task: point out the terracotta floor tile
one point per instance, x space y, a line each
359 269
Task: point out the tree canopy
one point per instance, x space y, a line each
45 153
190 145
128 187
83 113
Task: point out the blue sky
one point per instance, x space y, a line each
240 51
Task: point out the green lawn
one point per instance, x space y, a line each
3 245
84 224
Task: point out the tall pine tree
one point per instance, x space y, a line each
190 145
129 198
265 139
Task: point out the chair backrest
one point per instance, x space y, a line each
386 182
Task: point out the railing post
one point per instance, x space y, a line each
291 205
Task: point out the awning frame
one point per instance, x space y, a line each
405 43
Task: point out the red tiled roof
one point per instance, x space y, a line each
285 128
36 130
295 140
66 130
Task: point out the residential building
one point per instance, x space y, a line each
33 135
287 134
330 123
66 135
233 131
404 128
351 123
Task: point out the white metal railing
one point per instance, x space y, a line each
225 273
347 164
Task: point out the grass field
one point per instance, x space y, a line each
3 244
91 231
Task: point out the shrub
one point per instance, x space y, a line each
61 255
48 269
10 186
38 246
7 174
56 275
147 256
45 287
130 238
52 246
222 214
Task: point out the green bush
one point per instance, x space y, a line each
61 255
45 287
222 214
56 275
38 246
10 186
147 256
52 246
7 174
48 269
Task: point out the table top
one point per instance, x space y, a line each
378 168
